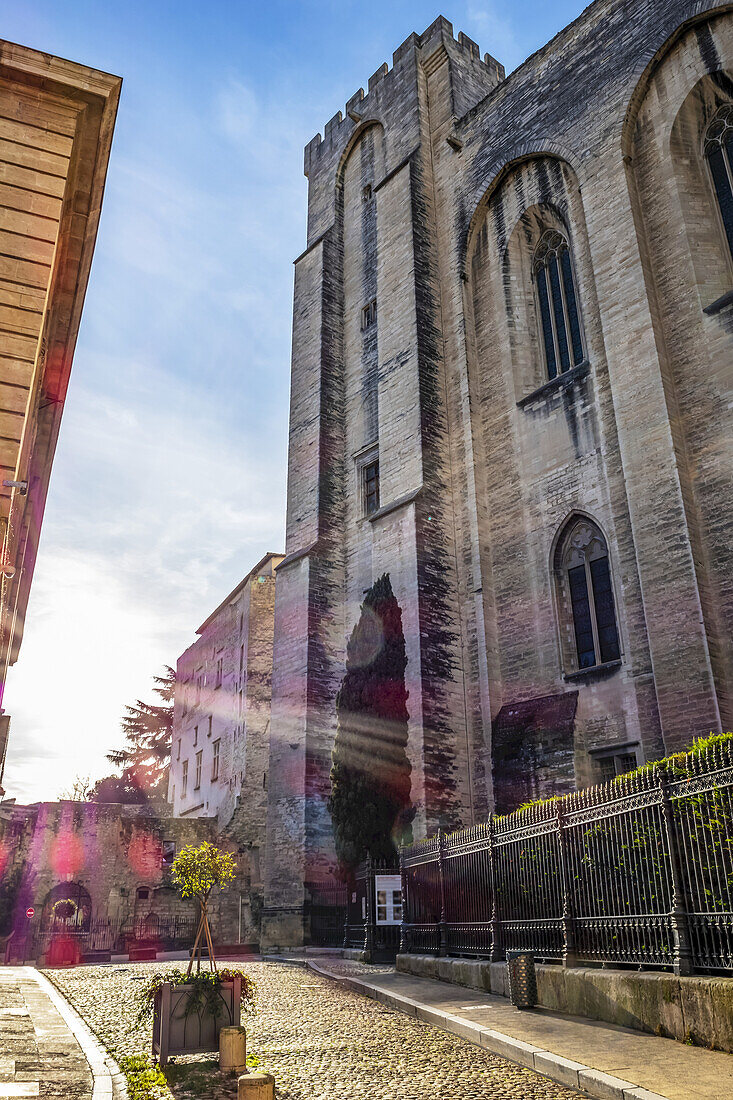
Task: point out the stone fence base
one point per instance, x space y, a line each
697 1009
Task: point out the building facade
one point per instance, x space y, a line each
221 721
56 123
511 391
100 874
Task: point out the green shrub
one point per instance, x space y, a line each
144 1080
677 765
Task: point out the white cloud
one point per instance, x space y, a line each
158 513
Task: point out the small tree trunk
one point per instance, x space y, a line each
207 929
196 950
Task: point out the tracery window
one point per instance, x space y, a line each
719 153
587 595
558 304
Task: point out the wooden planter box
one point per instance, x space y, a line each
175 1032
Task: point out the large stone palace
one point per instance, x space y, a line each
512 391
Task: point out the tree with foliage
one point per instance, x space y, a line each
148 728
196 872
370 774
79 791
122 789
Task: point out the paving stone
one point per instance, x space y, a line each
318 1040
37 1048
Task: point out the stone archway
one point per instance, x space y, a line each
67 908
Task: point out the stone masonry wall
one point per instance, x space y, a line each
441 180
111 851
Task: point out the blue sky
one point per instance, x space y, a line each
169 478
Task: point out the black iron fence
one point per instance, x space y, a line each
327 910
357 914
364 930
637 871
59 940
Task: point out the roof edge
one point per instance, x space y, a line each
235 591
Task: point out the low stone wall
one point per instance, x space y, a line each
696 1009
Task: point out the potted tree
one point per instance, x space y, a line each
190 1009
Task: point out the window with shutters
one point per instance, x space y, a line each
559 317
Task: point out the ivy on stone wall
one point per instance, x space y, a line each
370 774
10 883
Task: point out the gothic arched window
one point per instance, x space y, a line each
586 595
719 153
558 305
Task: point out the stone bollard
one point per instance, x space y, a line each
256 1085
232 1050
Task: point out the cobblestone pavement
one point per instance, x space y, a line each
351 969
39 1056
320 1042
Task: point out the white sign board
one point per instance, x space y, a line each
388 897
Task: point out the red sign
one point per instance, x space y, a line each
30 912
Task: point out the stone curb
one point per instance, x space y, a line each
109 1080
602 1086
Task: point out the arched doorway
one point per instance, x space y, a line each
66 920
67 908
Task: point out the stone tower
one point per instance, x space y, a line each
508 289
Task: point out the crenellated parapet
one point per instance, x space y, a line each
363 105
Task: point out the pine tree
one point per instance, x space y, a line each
370 774
148 728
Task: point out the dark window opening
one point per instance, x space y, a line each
585 581
371 487
719 153
611 764
369 314
558 304
581 617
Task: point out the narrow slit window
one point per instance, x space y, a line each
371 487
719 154
199 759
369 314
215 761
558 304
